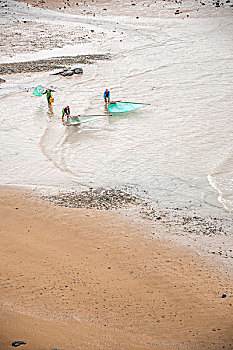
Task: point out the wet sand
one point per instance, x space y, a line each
74 278
48 35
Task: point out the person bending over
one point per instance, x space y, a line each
66 113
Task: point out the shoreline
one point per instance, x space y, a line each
95 275
208 234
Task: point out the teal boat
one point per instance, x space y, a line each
122 107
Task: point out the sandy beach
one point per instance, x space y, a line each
103 268
89 279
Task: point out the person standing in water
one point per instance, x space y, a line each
107 96
48 93
66 113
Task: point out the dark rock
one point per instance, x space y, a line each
67 73
224 295
18 343
77 70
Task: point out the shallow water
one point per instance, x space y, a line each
178 150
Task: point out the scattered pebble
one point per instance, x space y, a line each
100 199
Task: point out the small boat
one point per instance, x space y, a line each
122 107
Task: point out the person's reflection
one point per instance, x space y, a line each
50 112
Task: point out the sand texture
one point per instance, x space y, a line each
88 279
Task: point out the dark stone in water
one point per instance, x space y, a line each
77 70
67 73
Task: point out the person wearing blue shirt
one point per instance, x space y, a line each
107 96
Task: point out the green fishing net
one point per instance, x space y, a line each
121 107
38 91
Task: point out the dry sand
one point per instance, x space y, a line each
89 279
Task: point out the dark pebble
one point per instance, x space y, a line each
18 343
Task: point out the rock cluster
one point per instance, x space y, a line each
48 64
101 199
66 72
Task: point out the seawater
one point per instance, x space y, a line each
177 151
